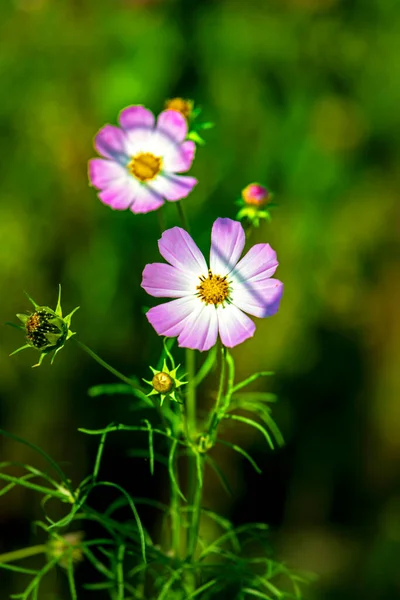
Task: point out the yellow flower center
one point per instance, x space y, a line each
162 383
213 289
145 166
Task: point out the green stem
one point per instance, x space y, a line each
191 392
175 519
221 378
138 391
161 219
182 217
205 367
198 494
214 417
22 553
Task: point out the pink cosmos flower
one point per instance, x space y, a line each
141 160
211 300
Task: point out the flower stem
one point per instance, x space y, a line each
214 416
22 553
193 531
161 219
191 392
175 518
182 217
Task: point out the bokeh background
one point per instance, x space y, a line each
305 96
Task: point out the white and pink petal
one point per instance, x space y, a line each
102 173
110 142
172 125
260 298
146 199
234 326
170 318
259 263
164 281
201 328
173 187
136 117
179 249
119 196
178 158
227 243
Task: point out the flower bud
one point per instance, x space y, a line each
256 195
165 383
64 547
185 107
46 330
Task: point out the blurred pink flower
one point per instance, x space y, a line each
211 300
141 159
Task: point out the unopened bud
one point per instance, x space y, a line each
182 106
256 195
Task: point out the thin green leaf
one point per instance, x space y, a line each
110 389
41 452
255 397
199 469
17 569
120 571
250 379
21 348
151 445
35 582
219 473
240 450
98 456
215 545
33 486
202 589
168 343
14 325
71 578
112 428
225 524
135 513
104 585
252 424
144 453
257 594
167 586
98 565
171 470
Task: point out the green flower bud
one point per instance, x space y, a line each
46 330
165 383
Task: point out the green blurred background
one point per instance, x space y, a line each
305 95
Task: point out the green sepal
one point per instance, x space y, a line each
253 215
194 136
19 349
31 300
15 325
